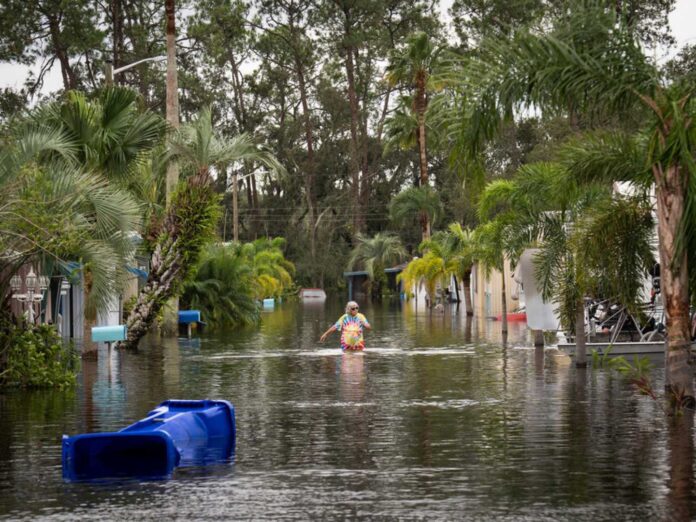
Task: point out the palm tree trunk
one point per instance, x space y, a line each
420 103
425 225
190 222
670 192
172 88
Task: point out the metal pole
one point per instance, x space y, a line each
109 73
131 65
235 207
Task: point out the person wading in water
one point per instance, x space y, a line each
351 325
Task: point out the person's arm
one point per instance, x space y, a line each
366 324
327 332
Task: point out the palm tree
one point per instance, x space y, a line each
55 212
272 273
422 202
223 288
111 134
592 66
413 66
191 217
430 269
457 247
490 254
113 138
593 243
375 254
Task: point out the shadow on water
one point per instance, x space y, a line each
440 418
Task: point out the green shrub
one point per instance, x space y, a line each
36 357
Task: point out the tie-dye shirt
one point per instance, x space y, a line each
351 328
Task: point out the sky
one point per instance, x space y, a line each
682 20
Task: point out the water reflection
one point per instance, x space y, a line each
681 468
437 419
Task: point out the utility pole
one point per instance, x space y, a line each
171 309
172 90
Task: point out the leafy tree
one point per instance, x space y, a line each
55 211
111 133
223 288
476 19
430 270
106 139
113 138
51 31
593 63
421 203
273 274
375 254
191 216
413 66
457 247
592 243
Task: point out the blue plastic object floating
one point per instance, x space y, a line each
189 316
109 334
176 433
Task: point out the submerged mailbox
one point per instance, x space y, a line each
109 334
189 316
189 319
176 433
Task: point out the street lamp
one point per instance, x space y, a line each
110 71
35 285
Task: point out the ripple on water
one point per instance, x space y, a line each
456 404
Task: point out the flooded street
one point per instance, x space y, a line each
436 420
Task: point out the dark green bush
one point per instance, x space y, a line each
36 357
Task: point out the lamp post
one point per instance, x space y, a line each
35 288
109 71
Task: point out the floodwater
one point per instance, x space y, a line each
437 420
